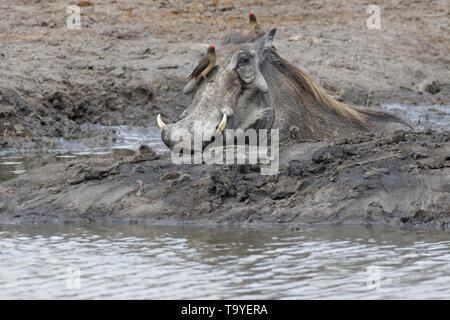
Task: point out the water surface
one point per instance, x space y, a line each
155 262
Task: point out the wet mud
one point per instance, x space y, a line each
129 62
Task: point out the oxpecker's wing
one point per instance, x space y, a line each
202 65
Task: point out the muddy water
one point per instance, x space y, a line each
436 117
142 262
16 162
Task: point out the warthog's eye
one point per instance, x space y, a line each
243 59
243 64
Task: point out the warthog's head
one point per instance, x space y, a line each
252 87
233 94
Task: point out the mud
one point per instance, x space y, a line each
129 62
400 180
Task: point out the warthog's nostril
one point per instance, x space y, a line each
160 123
222 124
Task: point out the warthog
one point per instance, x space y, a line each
251 86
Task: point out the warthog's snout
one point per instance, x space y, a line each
184 132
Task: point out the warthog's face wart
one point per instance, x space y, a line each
233 95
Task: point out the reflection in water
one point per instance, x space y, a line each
143 262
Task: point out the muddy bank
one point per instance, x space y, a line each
87 113
400 180
129 61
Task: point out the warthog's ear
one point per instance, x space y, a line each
264 43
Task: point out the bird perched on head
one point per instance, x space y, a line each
253 26
202 69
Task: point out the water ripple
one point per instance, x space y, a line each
137 262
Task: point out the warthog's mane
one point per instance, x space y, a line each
322 100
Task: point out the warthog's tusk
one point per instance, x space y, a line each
222 124
161 124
